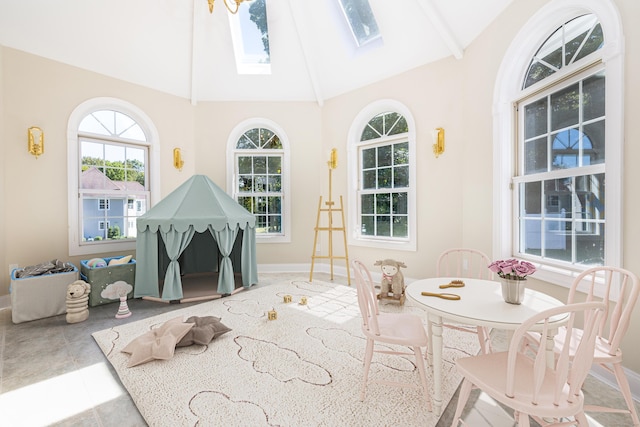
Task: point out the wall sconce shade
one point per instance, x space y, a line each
333 159
178 163
438 141
35 142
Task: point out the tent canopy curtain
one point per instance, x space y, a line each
196 206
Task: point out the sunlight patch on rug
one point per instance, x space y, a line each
302 369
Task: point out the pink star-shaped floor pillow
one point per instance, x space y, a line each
157 344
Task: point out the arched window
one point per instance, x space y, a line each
567 141
258 160
109 182
382 165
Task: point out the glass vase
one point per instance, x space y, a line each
513 290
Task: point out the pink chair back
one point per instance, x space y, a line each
367 299
568 373
462 262
619 307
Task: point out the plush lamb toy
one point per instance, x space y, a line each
78 301
392 279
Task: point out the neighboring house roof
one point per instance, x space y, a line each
129 185
93 178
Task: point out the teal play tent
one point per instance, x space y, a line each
165 231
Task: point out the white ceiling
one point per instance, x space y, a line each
178 47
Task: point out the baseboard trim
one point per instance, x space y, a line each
300 268
5 301
608 378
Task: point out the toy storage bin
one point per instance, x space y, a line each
100 277
37 297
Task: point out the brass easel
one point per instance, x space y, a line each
330 209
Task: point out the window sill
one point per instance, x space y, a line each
101 248
273 239
565 278
384 244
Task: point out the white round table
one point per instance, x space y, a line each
480 304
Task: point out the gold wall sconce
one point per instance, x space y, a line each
333 159
35 141
178 163
438 141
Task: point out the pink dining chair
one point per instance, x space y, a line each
525 381
619 289
402 329
466 263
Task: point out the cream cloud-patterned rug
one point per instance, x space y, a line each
302 369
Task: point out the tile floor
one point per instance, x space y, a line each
53 373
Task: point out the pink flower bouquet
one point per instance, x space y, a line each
512 269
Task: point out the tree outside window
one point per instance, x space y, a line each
384 177
113 176
259 178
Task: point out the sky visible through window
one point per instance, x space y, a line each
250 35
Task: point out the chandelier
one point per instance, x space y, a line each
237 2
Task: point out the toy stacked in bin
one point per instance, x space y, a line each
100 272
42 294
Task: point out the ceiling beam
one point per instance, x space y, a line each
431 12
303 38
194 51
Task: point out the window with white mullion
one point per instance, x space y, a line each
578 51
259 189
258 166
560 181
382 170
384 179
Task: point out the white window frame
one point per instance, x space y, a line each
237 23
234 136
105 103
354 236
508 91
356 40
104 203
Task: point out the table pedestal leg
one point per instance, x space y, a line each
436 340
549 347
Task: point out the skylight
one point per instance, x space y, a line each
250 34
362 22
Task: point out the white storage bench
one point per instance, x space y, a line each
42 296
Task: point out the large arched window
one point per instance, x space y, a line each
382 168
564 102
258 160
110 152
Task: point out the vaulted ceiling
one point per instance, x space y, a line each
178 47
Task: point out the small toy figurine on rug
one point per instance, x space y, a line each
392 285
78 301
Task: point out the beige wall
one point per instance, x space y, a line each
431 94
39 92
454 191
301 122
3 199
481 62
